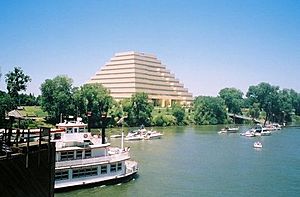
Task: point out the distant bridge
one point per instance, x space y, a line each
243 117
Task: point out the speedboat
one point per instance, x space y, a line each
249 133
135 135
233 129
257 145
153 135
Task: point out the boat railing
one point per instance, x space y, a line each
93 160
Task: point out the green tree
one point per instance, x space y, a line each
56 97
254 110
233 99
209 110
16 81
92 98
140 110
267 96
6 104
179 113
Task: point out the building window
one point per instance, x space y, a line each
112 167
66 155
104 169
88 153
85 172
119 166
61 175
79 154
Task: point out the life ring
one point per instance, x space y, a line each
85 135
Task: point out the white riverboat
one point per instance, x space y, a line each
82 159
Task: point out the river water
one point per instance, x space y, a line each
197 161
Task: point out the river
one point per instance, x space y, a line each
197 161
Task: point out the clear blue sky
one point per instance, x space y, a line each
209 45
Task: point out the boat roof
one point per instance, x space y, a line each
69 148
99 145
71 124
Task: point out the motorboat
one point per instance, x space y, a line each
233 129
257 145
135 135
153 135
83 160
116 136
229 130
249 133
265 133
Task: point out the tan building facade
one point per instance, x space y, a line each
130 72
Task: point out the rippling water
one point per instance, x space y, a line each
196 161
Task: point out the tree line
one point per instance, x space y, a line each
60 99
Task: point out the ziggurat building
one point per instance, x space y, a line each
130 72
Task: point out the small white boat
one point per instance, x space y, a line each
233 129
116 136
135 135
153 135
257 145
265 133
249 133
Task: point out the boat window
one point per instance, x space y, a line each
88 153
112 167
57 136
66 155
84 172
69 130
79 154
104 169
61 175
81 130
75 130
119 166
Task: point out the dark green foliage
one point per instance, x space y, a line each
163 119
92 98
6 104
278 105
16 81
209 110
57 97
233 99
139 110
27 100
179 113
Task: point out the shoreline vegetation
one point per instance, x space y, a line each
60 100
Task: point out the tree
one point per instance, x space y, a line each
233 99
92 98
266 96
140 110
16 81
56 97
6 104
179 113
209 110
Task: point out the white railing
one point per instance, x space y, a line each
94 160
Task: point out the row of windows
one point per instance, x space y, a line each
61 175
69 155
87 171
75 130
84 172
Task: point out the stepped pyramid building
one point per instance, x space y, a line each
130 72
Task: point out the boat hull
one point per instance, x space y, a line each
113 181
